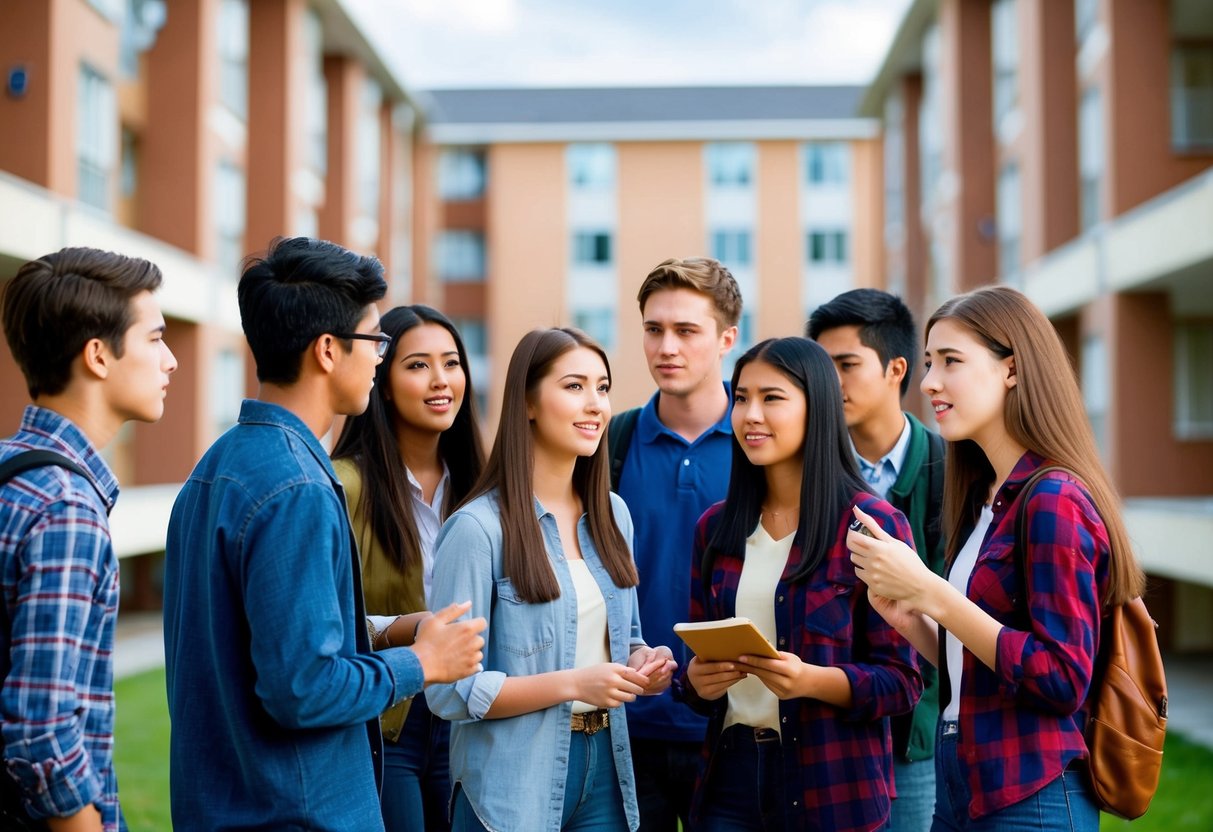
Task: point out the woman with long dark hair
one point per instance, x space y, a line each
1015 625
798 742
543 550
406 463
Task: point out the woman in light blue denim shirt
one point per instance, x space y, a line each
539 740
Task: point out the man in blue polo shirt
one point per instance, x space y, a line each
670 461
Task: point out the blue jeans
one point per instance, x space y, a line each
744 788
915 803
417 774
592 799
665 780
1065 805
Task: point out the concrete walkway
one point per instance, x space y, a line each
140 647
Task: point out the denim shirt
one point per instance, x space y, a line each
513 770
273 690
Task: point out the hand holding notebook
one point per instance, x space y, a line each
724 640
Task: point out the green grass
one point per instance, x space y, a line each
141 751
1184 800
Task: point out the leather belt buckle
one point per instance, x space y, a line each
590 723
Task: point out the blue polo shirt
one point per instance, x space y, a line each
668 483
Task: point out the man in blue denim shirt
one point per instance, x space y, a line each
273 689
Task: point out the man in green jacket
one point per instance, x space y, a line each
870 335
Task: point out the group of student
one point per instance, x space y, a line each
409 635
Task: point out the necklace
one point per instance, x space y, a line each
783 520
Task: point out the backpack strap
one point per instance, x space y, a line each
27 460
619 439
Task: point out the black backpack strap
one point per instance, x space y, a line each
619 439
27 460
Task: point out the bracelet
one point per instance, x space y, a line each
387 632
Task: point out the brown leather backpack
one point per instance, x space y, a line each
1127 701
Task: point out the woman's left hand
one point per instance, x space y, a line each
657 663
887 565
785 677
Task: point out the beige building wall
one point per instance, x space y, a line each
527 250
779 241
867 176
661 215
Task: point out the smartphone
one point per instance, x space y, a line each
858 526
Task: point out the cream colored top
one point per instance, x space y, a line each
750 702
591 624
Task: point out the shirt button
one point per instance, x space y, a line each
784 720
779 599
782 642
686 462
795 802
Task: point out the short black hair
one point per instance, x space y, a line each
61 301
884 321
301 289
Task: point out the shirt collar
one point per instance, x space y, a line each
896 456
649 426
63 435
439 491
254 411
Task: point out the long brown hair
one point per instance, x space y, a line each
1043 412
511 469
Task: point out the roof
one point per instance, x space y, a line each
615 113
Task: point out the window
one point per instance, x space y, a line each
1193 381
827 163
1086 13
96 138
591 166
229 207
1192 96
731 164
930 116
1010 220
368 161
732 248
599 324
461 174
227 389
1090 157
142 21
461 256
316 102
591 248
474 335
1004 47
128 181
1095 394
233 56
111 9
827 247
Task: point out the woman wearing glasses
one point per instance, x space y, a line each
406 463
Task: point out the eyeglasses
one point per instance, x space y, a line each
382 340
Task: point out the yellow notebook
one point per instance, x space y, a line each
725 640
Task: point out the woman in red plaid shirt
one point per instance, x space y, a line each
1014 627
800 742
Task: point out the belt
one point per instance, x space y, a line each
590 722
950 728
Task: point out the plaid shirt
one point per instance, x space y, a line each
837 763
60 583
1021 724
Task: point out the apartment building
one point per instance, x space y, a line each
1065 147
551 205
192 133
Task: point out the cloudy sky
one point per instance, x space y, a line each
470 43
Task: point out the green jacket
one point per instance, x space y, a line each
918 494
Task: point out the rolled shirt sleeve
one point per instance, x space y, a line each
68 579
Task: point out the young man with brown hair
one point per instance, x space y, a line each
670 460
88 336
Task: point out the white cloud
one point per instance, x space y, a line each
446 43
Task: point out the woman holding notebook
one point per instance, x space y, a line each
799 742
